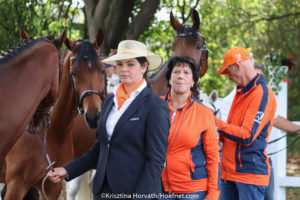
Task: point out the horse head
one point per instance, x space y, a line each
210 101
87 74
190 42
41 117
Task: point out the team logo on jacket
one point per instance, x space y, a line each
259 116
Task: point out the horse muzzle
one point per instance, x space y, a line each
91 121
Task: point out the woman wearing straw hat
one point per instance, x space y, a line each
132 136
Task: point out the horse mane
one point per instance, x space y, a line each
10 54
86 51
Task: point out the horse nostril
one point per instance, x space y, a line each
91 120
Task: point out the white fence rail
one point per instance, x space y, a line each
281 181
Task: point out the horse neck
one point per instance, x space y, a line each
27 77
63 115
158 83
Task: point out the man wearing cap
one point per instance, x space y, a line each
245 166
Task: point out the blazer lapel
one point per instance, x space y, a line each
110 103
136 104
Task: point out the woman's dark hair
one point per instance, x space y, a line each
181 59
142 61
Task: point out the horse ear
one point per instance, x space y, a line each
196 20
24 35
204 65
61 38
214 95
98 39
69 44
175 23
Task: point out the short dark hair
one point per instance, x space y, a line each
142 60
181 59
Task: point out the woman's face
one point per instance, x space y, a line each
181 79
130 71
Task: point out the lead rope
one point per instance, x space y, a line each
290 144
50 164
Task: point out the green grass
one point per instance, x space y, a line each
292 193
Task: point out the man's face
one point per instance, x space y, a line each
234 74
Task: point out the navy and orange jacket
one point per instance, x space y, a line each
245 135
193 160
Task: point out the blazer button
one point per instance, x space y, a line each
107 145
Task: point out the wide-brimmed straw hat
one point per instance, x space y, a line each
132 49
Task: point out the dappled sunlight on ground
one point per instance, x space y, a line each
293 164
293 169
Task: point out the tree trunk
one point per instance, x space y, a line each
116 19
142 20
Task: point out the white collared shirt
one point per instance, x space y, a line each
115 114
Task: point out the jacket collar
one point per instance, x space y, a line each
190 100
258 79
136 104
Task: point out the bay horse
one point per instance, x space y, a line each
82 90
188 42
29 79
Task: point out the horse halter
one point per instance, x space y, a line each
85 93
203 48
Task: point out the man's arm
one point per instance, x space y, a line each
259 115
285 124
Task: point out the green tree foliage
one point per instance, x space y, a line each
37 17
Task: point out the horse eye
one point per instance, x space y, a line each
198 47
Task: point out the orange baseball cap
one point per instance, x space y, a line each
234 55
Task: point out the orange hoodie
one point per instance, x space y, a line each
245 135
193 152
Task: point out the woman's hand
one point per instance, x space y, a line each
57 175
